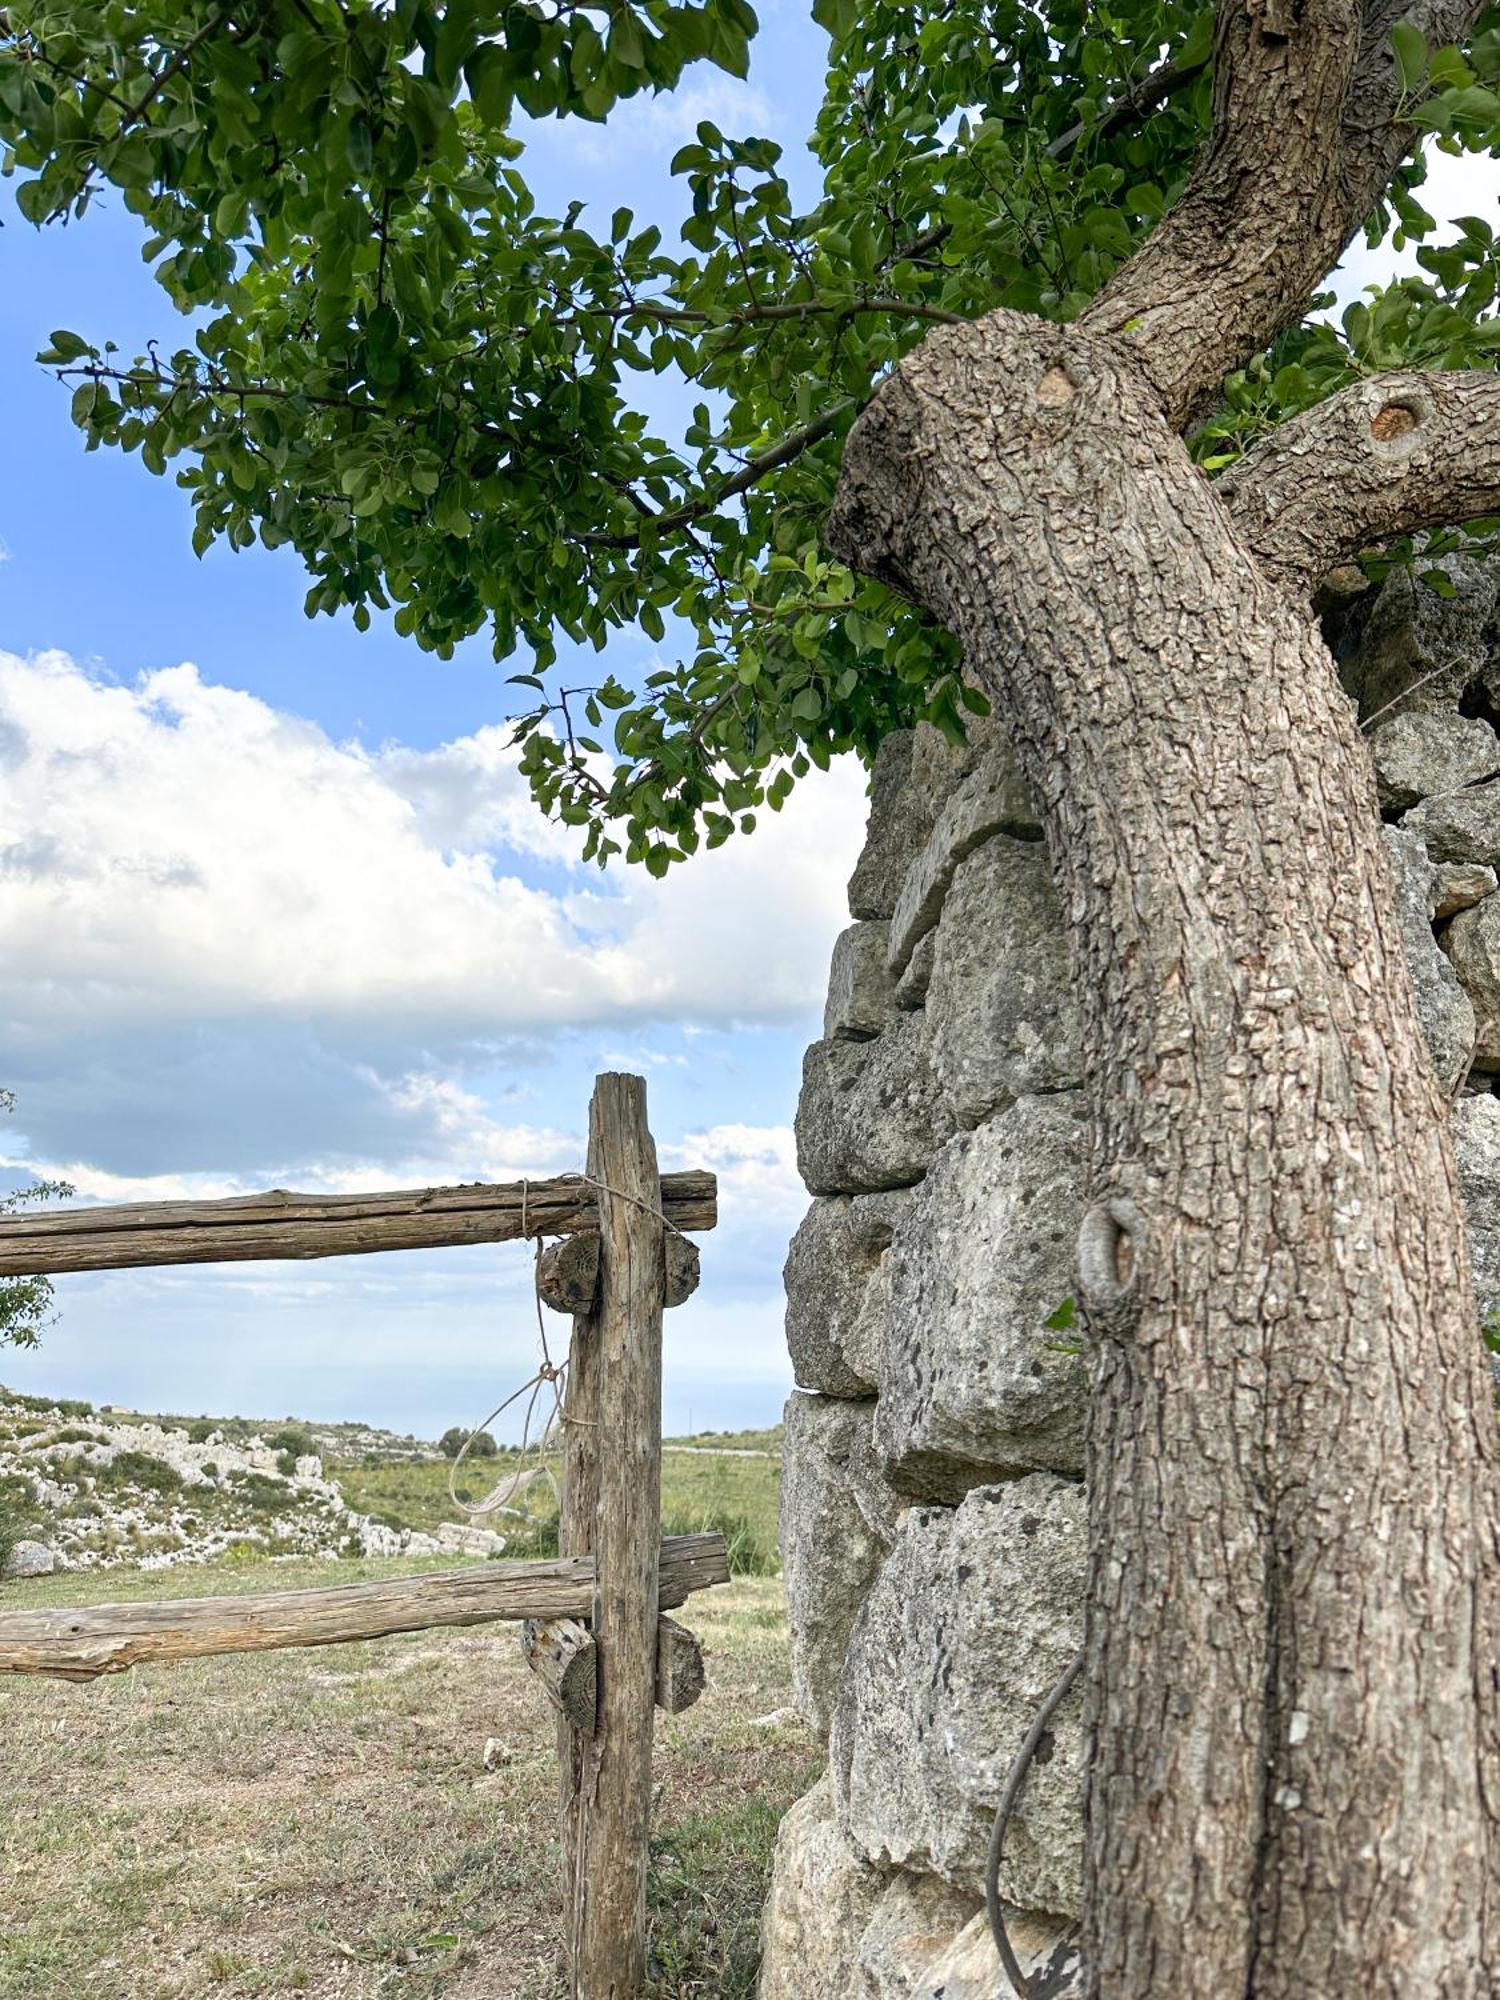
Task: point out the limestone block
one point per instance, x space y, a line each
896 829
837 1522
871 1114
938 767
836 1929
911 987
1416 650
1047 1950
974 1385
835 1291
974 1617
28 1559
1472 942
914 1922
861 992
1423 751
822 1896
1446 1009
1459 885
1463 827
1476 1145
1002 1015
993 798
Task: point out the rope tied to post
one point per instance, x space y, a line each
549 1375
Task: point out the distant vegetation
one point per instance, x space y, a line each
480 1444
704 1487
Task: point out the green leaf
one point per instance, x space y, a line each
1410 46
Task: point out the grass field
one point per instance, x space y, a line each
729 1481
327 1823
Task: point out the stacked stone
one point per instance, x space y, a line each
933 1514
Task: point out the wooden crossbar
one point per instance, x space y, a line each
53 1242
80 1644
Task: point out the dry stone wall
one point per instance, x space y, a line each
933 1514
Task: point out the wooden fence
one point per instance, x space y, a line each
592 1625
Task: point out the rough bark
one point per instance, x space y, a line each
617 1506
1390 455
1293 1781
1303 146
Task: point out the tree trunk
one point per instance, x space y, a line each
1293 1781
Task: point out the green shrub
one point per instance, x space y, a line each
481 1445
293 1444
264 1495
139 1468
20 1514
65 1406
200 1430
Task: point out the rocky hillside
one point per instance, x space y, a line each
81 1489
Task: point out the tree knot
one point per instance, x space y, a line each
1111 1246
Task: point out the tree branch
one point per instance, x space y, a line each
754 469
1303 146
1390 455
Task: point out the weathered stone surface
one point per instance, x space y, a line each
1002 1016
911 987
974 1617
898 824
1047 1950
1472 942
835 1291
1463 827
1476 1145
1416 650
992 799
822 1896
938 767
914 1923
836 1526
871 1114
861 992
1458 885
28 1559
1443 1005
836 1929
1430 750
974 1385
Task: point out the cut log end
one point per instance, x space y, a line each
568 1274
682 1269
562 1655
680 1677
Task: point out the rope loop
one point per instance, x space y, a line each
549 1375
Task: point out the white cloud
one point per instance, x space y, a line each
757 1168
657 126
175 851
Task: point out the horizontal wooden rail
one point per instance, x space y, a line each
81 1643
53 1242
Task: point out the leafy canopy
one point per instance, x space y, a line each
397 366
25 1303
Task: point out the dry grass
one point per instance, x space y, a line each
322 1823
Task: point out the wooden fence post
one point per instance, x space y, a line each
611 1508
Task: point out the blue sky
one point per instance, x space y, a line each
275 910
